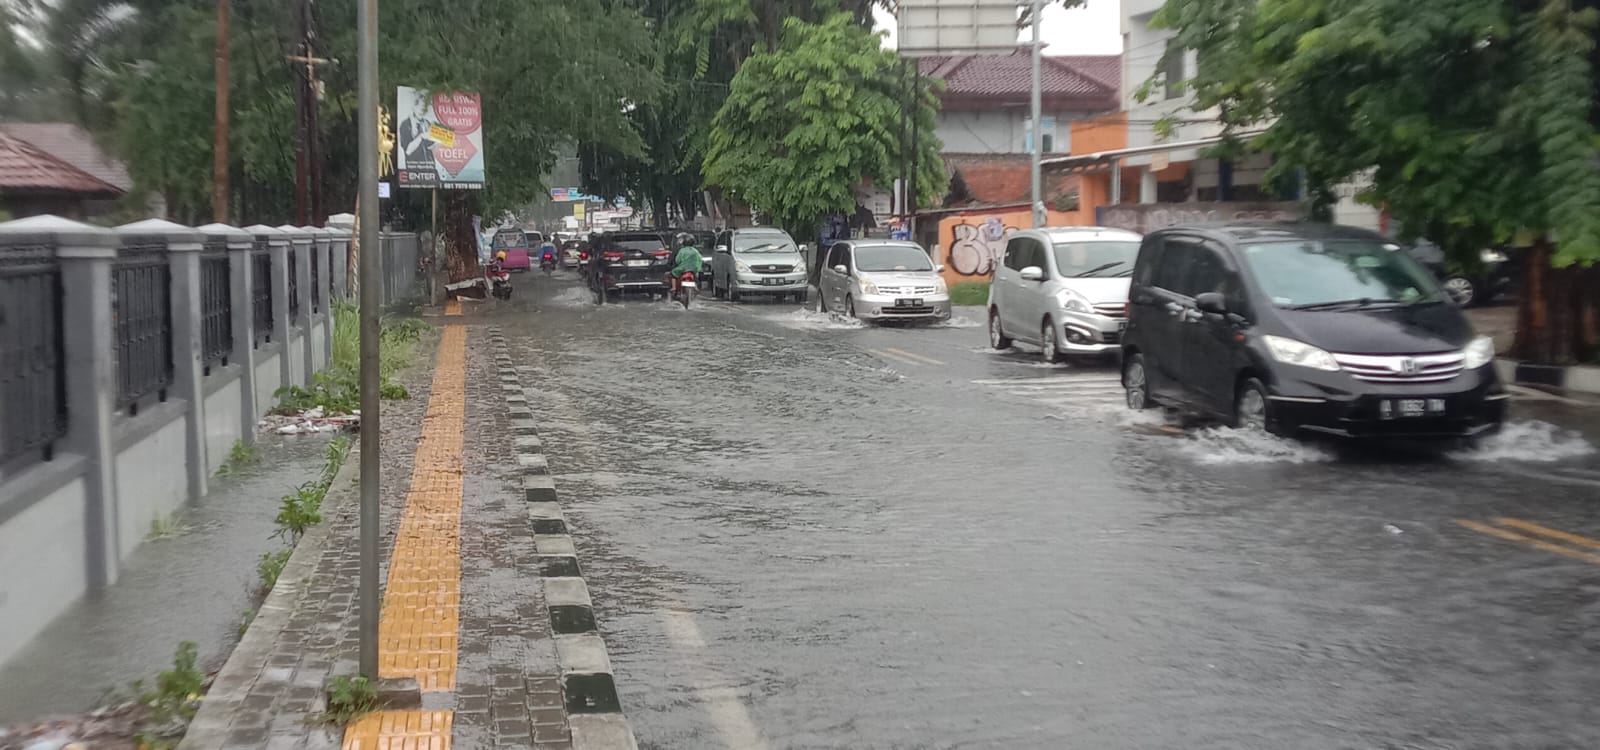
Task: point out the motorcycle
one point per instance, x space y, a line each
547 264
687 289
499 282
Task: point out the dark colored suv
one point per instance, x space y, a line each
635 261
1303 327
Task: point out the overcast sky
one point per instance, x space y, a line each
1089 29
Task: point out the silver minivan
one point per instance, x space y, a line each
882 280
755 261
1064 290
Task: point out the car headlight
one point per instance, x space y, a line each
1292 352
1493 256
939 287
1073 302
741 266
867 287
1478 353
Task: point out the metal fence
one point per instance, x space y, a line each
33 395
316 281
294 284
261 317
141 315
216 304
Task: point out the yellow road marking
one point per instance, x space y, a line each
419 626
1513 536
452 307
1581 541
918 357
890 355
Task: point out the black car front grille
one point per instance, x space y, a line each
1110 337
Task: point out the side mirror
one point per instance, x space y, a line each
722 248
841 268
1033 273
938 268
804 248
1211 302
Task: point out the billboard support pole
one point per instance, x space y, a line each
371 271
1036 136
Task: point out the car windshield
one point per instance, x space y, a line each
764 244
1311 274
874 258
646 245
506 240
1103 258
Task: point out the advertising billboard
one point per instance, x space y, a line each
440 140
956 27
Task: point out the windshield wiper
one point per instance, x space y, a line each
1097 269
1353 304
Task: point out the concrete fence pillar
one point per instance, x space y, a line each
243 314
345 226
183 255
321 239
300 243
86 255
278 246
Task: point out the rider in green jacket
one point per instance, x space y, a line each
686 260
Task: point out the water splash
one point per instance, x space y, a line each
811 320
957 323
1224 445
1528 441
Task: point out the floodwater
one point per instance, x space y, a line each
190 583
802 532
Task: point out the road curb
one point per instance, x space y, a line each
594 712
1577 379
211 725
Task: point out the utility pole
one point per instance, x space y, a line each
371 272
219 150
307 154
1036 136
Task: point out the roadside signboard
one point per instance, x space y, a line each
956 27
577 210
440 139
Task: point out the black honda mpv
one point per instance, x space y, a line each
1303 327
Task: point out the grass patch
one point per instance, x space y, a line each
174 701
270 567
349 698
239 457
166 527
970 293
338 389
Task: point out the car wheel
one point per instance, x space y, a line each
1251 408
1049 347
1461 290
997 337
1136 383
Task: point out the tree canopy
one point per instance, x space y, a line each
818 114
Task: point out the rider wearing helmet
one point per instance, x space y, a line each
686 260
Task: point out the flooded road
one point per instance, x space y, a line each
805 533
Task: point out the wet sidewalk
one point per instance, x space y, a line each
464 610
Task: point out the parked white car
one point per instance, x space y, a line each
882 280
1064 290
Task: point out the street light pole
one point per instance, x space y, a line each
371 274
1036 138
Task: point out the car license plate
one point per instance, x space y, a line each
1122 325
637 263
913 302
1410 408
772 282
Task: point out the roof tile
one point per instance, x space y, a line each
25 167
1090 81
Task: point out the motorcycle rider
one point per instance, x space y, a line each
687 259
547 253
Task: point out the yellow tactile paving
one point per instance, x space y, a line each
452 307
420 621
400 730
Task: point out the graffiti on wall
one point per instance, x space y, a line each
976 248
1146 218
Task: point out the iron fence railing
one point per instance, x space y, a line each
316 281
216 304
141 318
261 318
294 285
33 395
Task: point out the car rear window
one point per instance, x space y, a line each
646 244
504 240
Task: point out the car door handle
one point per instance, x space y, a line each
1191 315
1174 309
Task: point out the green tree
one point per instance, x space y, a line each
1476 120
819 113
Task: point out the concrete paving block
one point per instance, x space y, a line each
566 591
533 463
1583 379
539 488
524 426
554 544
528 444
545 510
582 652
601 732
